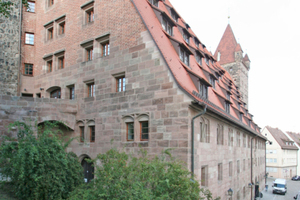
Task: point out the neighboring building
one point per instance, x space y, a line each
134 71
229 54
296 138
281 156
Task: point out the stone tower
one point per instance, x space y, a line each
229 53
10 51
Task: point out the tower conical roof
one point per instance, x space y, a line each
227 47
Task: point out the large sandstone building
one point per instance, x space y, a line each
135 72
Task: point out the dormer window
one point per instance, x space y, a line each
186 37
196 42
184 56
203 89
199 59
167 26
212 81
228 95
227 107
241 116
219 56
174 16
206 60
239 106
154 2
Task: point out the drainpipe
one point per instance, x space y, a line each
193 136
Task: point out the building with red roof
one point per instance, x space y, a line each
133 71
229 54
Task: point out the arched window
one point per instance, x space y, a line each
129 121
91 130
80 125
204 130
56 94
144 127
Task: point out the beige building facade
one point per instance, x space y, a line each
281 155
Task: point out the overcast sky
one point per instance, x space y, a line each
269 32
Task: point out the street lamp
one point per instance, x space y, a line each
230 192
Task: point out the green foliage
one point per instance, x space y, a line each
6 7
119 176
37 165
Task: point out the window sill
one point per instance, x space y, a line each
28 75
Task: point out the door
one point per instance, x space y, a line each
88 170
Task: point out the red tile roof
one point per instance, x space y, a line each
227 47
182 73
281 138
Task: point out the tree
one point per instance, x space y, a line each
119 176
37 164
6 6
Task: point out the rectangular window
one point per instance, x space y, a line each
28 69
72 92
105 48
199 59
238 166
203 89
244 165
238 139
186 37
50 33
204 134
31 7
174 16
204 176
81 128
91 90
220 171
230 168
167 26
29 38
89 54
230 137
212 81
61 28
227 107
61 62
121 84
50 2
154 2
220 135
92 133
196 42
49 66
144 132
184 56
89 15
130 131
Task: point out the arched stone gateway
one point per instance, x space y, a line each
88 168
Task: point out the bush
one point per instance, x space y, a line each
37 165
119 176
